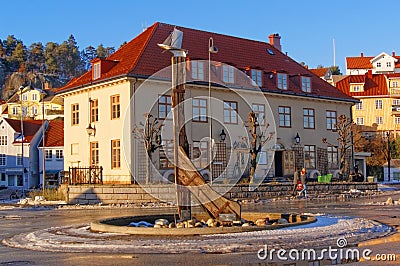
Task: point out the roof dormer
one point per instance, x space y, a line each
383 63
101 66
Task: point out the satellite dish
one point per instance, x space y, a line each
173 41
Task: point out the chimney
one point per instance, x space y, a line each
393 54
369 74
275 40
362 54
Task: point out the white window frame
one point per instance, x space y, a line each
19 159
199 110
282 81
360 121
359 106
228 74
34 97
378 104
197 70
256 76
397 120
3 140
379 120
259 110
59 154
306 84
15 110
96 71
395 84
3 159
48 154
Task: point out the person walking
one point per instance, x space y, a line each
295 180
303 179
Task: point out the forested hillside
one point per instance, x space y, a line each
60 61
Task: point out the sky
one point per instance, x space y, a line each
308 29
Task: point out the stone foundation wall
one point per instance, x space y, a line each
123 194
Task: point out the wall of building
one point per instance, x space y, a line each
129 194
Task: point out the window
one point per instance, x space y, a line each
199 107
359 106
333 156
230 112
75 114
74 148
284 116
227 74
19 159
378 64
306 84
197 70
330 120
94 110
308 118
24 97
200 154
397 120
3 159
309 156
378 104
256 76
115 107
48 155
96 71
259 110
282 81
166 153
59 154
388 64
15 110
3 140
164 106
24 110
356 88
115 154
360 121
379 120
34 110
34 97
395 84
94 153
396 102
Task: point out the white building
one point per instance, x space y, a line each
110 99
19 163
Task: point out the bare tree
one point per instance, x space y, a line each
344 127
258 140
149 134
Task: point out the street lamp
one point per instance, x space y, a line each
297 138
222 135
388 153
22 136
211 50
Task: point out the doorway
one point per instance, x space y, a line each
278 164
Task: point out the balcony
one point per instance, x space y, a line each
395 109
85 175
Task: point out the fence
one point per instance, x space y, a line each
85 175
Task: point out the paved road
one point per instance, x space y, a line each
18 220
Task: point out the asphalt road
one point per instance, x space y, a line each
18 220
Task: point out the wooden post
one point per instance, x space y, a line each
180 139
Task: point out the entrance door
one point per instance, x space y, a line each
278 164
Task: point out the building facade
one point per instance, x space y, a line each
104 106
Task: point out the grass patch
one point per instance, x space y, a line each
51 194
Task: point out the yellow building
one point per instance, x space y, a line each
31 103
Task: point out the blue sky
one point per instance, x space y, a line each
307 28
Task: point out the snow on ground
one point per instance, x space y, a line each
78 238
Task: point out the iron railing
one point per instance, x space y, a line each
85 175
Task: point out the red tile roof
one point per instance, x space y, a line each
363 62
30 128
374 85
54 136
320 72
142 57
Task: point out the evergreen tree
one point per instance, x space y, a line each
36 58
88 54
18 57
104 52
9 45
50 54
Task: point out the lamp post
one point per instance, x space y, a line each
43 141
388 153
211 50
22 137
297 138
